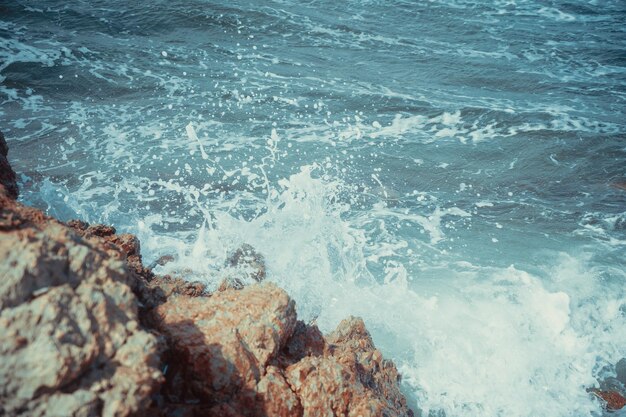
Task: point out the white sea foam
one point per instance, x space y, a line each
476 341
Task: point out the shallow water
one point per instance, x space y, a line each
452 171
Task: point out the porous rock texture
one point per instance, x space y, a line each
70 339
87 330
243 353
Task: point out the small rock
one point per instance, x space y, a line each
231 283
171 286
77 224
250 262
8 179
163 260
100 230
613 400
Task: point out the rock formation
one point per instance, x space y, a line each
87 330
243 352
70 341
7 175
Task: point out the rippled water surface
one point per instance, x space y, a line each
452 171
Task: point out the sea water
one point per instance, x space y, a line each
452 171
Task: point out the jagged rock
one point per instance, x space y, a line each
223 343
242 352
4 148
178 286
163 260
350 379
231 283
70 343
306 341
246 266
8 178
278 398
128 248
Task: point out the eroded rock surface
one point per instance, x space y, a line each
70 340
243 352
222 344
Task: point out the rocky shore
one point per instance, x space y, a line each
87 330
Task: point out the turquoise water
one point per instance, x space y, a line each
452 171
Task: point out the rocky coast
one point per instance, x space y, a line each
87 330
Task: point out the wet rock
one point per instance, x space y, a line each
231 283
78 225
8 179
71 343
351 378
4 148
163 260
249 261
177 286
245 266
613 400
307 340
100 230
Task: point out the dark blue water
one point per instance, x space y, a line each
452 171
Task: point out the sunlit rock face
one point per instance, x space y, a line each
71 342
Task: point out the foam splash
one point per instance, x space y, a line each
475 341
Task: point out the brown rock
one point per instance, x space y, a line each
306 341
242 352
223 343
163 260
613 400
100 230
8 178
126 247
351 379
246 266
169 286
4 148
277 398
70 342
231 283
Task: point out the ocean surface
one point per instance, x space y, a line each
452 171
